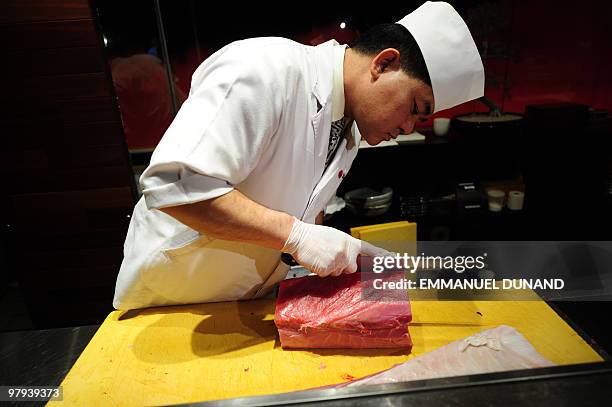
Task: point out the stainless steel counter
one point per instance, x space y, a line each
41 357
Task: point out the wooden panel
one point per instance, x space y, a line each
73 221
60 34
71 241
91 274
63 157
41 134
74 259
70 307
61 61
69 180
87 110
109 218
86 312
61 130
76 298
20 160
236 342
72 278
57 87
95 198
94 133
13 11
66 112
74 211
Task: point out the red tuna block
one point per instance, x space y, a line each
342 312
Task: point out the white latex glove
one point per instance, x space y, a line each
327 251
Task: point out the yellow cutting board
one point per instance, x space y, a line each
204 352
399 237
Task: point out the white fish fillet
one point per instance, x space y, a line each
493 350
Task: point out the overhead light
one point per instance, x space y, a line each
343 25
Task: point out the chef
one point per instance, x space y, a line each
268 131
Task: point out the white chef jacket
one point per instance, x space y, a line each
257 119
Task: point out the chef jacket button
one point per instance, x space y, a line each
341 174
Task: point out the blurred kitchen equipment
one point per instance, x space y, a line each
470 198
515 200
335 204
559 155
489 143
369 201
496 199
416 207
495 119
413 207
441 126
433 214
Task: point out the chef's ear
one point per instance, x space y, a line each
387 59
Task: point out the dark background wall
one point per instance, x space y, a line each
69 185
541 51
68 188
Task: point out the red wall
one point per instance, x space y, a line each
556 52
539 51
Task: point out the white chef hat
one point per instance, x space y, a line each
451 56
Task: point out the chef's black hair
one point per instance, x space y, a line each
396 36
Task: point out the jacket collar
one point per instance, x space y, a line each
324 65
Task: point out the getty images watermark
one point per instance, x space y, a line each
457 264
491 270
414 263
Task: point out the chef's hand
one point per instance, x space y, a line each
327 251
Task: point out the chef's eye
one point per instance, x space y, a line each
415 107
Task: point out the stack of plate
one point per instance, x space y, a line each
369 201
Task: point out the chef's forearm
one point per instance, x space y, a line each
233 216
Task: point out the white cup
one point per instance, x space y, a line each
440 126
496 199
515 200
